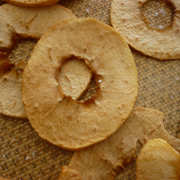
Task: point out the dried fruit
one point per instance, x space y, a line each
158 160
23 23
66 122
105 159
32 3
160 40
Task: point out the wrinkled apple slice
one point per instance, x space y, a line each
21 23
61 120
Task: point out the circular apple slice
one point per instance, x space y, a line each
152 27
61 120
32 3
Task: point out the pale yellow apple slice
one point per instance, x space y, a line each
158 160
61 120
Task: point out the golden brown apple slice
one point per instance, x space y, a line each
59 119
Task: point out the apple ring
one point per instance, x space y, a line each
32 3
59 119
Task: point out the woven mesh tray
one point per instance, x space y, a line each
24 155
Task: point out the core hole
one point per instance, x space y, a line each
157 14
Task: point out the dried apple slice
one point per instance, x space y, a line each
158 160
32 3
69 173
74 78
24 23
105 159
10 92
59 119
133 20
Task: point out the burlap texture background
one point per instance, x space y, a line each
24 155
